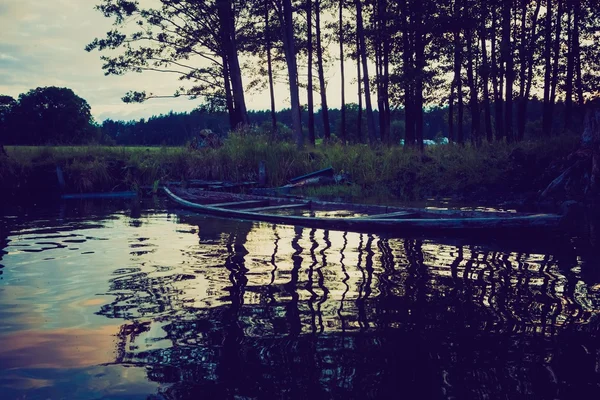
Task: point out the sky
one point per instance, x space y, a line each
42 44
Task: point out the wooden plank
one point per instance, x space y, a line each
240 204
282 207
407 214
322 172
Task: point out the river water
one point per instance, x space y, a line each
115 300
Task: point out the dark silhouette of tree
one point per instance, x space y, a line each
268 41
262 39
485 70
483 62
196 40
527 60
309 88
508 61
50 115
286 20
359 82
557 57
362 53
497 76
342 71
321 71
547 119
458 48
381 43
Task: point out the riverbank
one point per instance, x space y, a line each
492 172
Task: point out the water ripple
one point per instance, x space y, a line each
243 309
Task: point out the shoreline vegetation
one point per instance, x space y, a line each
489 173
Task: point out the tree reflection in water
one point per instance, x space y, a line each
293 312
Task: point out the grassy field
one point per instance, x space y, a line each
447 170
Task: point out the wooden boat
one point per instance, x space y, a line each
364 218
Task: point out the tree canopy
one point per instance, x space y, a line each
46 115
485 61
195 40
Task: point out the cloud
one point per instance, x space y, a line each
7 57
43 45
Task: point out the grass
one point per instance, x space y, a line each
488 170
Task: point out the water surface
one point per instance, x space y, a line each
122 300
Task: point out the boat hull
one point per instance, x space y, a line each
496 225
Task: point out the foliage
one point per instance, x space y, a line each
194 40
48 115
494 57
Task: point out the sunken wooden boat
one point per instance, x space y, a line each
363 218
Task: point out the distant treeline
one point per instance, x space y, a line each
177 128
51 115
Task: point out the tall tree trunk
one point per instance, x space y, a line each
530 62
509 69
547 117
497 80
343 77
379 78
408 72
363 55
227 22
451 137
556 61
233 120
379 82
485 74
570 71
289 48
238 90
381 67
457 73
270 71
419 71
386 86
322 85
309 90
473 93
359 84
577 53
522 71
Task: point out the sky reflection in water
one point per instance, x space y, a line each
101 303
